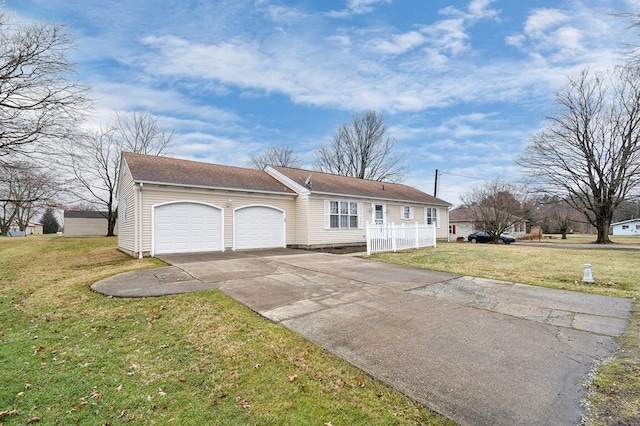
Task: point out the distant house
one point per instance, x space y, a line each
626 227
85 223
167 205
462 223
33 228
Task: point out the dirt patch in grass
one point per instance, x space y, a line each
341 249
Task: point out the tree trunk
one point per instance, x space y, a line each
111 225
603 233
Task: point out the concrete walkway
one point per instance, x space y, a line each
481 352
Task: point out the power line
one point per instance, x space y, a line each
462 176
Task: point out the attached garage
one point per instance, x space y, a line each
186 227
258 227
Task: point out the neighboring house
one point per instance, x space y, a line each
461 224
33 228
626 227
168 205
85 223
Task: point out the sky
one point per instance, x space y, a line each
462 85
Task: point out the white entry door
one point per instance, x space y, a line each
256 227
187 227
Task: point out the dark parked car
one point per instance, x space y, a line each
484 237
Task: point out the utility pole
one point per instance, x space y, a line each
435 185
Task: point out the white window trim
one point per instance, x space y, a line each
435 216
403 210
327 215
373 213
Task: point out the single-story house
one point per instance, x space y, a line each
462 223
33 228
626 227
168 205
85 223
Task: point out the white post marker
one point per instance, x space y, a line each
588 277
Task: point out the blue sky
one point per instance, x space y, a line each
462 84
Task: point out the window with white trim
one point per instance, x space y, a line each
432 216
343 215
407 212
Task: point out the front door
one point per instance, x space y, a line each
378 214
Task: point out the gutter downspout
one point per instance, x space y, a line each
140 220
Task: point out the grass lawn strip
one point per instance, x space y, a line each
71 356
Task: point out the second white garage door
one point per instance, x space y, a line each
256 227
186 227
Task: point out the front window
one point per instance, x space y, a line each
343 214
407 212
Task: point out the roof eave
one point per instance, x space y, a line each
216 188
371 197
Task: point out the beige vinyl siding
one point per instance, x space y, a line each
127 220
319 236
302 221
442 231
155 194
85 227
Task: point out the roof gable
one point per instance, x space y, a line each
172 171
325 183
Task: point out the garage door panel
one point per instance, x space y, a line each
258 227
186 227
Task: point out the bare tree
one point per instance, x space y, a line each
96 165
140 132
558 216
95 161
24 190
39 103
589 154
282 155
362 149
495 207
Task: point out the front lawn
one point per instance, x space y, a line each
70 356
615 392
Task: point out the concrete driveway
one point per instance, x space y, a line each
481 352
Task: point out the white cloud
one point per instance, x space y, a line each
447 36
543 19
479 9
580 35
356 7
476 10
400 43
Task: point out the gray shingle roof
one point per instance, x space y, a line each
171 171
165 170
340 185
84 214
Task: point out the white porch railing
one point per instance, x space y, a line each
393 237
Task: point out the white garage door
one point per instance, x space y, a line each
256 227
186 227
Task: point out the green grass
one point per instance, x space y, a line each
70 356
615 271
587 239
615 393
